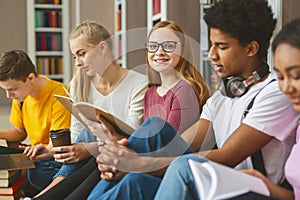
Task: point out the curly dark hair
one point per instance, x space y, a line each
289 34
244 20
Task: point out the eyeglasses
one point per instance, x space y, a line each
167 46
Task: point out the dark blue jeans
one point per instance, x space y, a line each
153 138
41 176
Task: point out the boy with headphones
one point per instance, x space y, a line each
240 33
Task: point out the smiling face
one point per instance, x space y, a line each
287 68
228 57
162 61
87 57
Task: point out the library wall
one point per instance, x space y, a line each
100 11
13 35
290 10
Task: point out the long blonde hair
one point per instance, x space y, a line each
91 33
185 66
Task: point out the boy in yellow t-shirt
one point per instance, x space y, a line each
35 111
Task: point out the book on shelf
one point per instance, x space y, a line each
13 189
215 181
6 182
119 19
52 18
156 7
90 111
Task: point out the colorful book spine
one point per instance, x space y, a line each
119 19
52 18
38 18
156 7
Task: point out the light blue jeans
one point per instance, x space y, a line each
182 181
69 168
154 138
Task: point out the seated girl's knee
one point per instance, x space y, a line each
134 177
182 161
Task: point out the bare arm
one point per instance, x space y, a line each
242 143
199 136
13 134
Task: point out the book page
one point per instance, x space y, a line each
232 182
90 111
3 143
203 179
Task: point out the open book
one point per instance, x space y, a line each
90 111
215 181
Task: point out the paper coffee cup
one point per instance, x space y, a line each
60 137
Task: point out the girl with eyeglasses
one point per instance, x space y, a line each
176 86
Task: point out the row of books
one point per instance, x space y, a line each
48 18
56 2
49 65
208 1
48 42
10 184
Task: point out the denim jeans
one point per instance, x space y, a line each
41 176
180 175
154 137
69 168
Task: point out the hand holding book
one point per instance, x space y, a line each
102 129
91 112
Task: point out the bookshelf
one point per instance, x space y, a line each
206 68
156 11
129 32
48 27
120 31
276 6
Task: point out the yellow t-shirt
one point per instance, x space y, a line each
41 113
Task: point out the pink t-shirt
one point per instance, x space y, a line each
292 171
179 106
